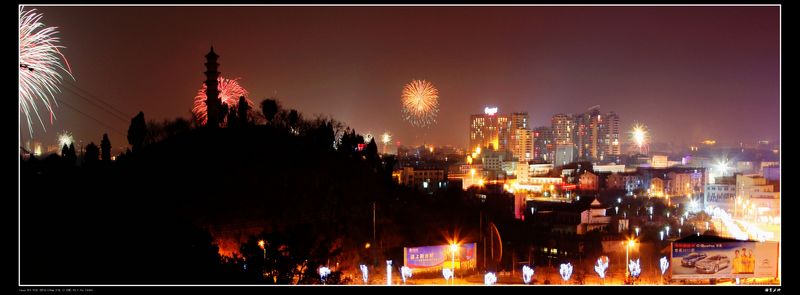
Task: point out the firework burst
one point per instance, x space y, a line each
368 137
420 103
386 138
65 138
39 66
639 137
229 93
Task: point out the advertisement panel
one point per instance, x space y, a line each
716 260
434 258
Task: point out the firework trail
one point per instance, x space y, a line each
420 101
39 66
229 93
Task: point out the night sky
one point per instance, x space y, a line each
688 73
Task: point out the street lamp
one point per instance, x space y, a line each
453 251
628 245
261 244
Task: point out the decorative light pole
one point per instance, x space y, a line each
664 264
388 272
364 273
629 245
447 273
635 268
405 272
527 274
566 271
601 266
323 273
489 279
453 251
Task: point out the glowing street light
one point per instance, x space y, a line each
453 251
631 243
261 244
636 229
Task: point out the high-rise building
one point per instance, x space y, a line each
522 147
521 143
542 143
595 136
611 140
519 120
489 129
563 126
564 154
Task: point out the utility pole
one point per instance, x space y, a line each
374 234
480 222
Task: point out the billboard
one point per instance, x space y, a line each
716 260
434 258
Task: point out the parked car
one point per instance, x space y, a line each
712 264
693 257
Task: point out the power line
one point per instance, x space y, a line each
124 114
96 105
93 118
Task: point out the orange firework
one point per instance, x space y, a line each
420 103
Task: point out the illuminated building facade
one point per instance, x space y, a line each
489 130
562 129
542 144
521 142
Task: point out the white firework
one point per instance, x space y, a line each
39 66
65 138
368 137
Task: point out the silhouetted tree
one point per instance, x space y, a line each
92 154
68 155
270 108
137 132
155 132
105 147
177 126
232 120
243 107
223 112
294 119
372 155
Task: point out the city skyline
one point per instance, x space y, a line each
335 66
